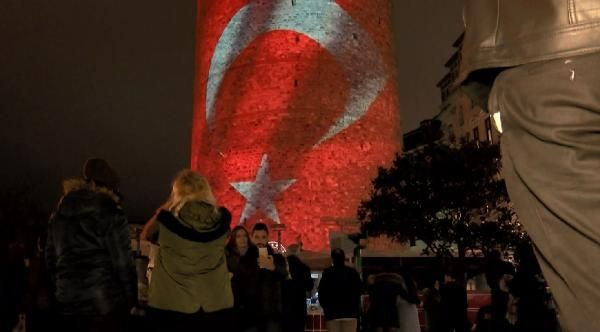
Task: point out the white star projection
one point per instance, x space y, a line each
261 193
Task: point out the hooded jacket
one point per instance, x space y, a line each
88 252
190 272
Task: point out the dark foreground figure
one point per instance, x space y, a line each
88 254
540 59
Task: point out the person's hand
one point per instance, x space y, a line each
266 263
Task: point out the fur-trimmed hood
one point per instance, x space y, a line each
81 197
80 184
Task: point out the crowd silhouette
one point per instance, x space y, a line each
206 276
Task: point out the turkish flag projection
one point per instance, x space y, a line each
295 109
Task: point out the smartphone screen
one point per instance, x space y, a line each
262 252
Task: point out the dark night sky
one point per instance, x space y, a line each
114 79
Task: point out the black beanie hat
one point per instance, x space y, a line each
98 171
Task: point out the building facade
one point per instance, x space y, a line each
295 109
461 120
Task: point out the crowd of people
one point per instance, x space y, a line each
205 275
209 277
533 65
520 298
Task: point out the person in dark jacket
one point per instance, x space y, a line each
339 294
454 302
534 310
534 65
296 288
88 254
247 292
242 256
495 270
267 282
384 289
432 306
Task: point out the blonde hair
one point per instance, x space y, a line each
190 185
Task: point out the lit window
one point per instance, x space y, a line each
488 129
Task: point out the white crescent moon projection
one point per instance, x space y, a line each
321 20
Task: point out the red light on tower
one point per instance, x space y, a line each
295 108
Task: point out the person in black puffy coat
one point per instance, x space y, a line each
88 254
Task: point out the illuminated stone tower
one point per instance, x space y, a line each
295 108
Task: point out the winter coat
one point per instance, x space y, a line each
270 285
294 291
190 272
432 304
339 292
258 292
454 302
534 303
88 252
383 298
244 270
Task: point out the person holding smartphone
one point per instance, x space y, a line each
263 284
